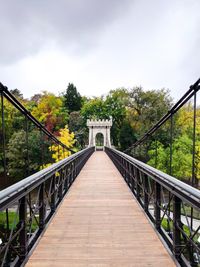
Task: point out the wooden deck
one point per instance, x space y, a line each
99 224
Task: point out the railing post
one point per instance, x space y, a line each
75 169
65 179
68 177
78 165
70 174
146 190
125 171
42 208
23 232
60 189
3 136
132 179
53 194
176 225
157 204
137 172
121 167
129 174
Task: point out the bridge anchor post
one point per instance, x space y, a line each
146 191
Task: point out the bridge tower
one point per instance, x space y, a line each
99 126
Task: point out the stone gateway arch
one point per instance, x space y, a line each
99 126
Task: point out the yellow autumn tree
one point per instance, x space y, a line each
67 139
58 152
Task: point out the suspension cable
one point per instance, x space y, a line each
190 93
10 97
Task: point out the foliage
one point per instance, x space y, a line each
112 106
127 136
24 160
13 119
133 112
17 149
75 121
66 138
72 98
16 92
13 220
78 127
115 107
145 108
51 112
182 151
58 153
94 109
142 115
99 139
185 120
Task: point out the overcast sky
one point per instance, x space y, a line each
99 45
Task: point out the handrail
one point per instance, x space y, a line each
169 203
179 188
17 190
27 206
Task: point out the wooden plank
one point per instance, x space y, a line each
99 223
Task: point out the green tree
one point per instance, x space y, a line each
72 98
58 153
51 112
94 109
104 107
13 119
19 166
17 93
182 151
115 107
100 108
78 126
127 136
145 108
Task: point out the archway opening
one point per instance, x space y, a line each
99 141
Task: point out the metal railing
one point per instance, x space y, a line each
167 202
27 206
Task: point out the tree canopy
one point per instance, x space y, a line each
50 111
72 98
133 110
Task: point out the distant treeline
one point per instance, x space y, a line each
133 112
